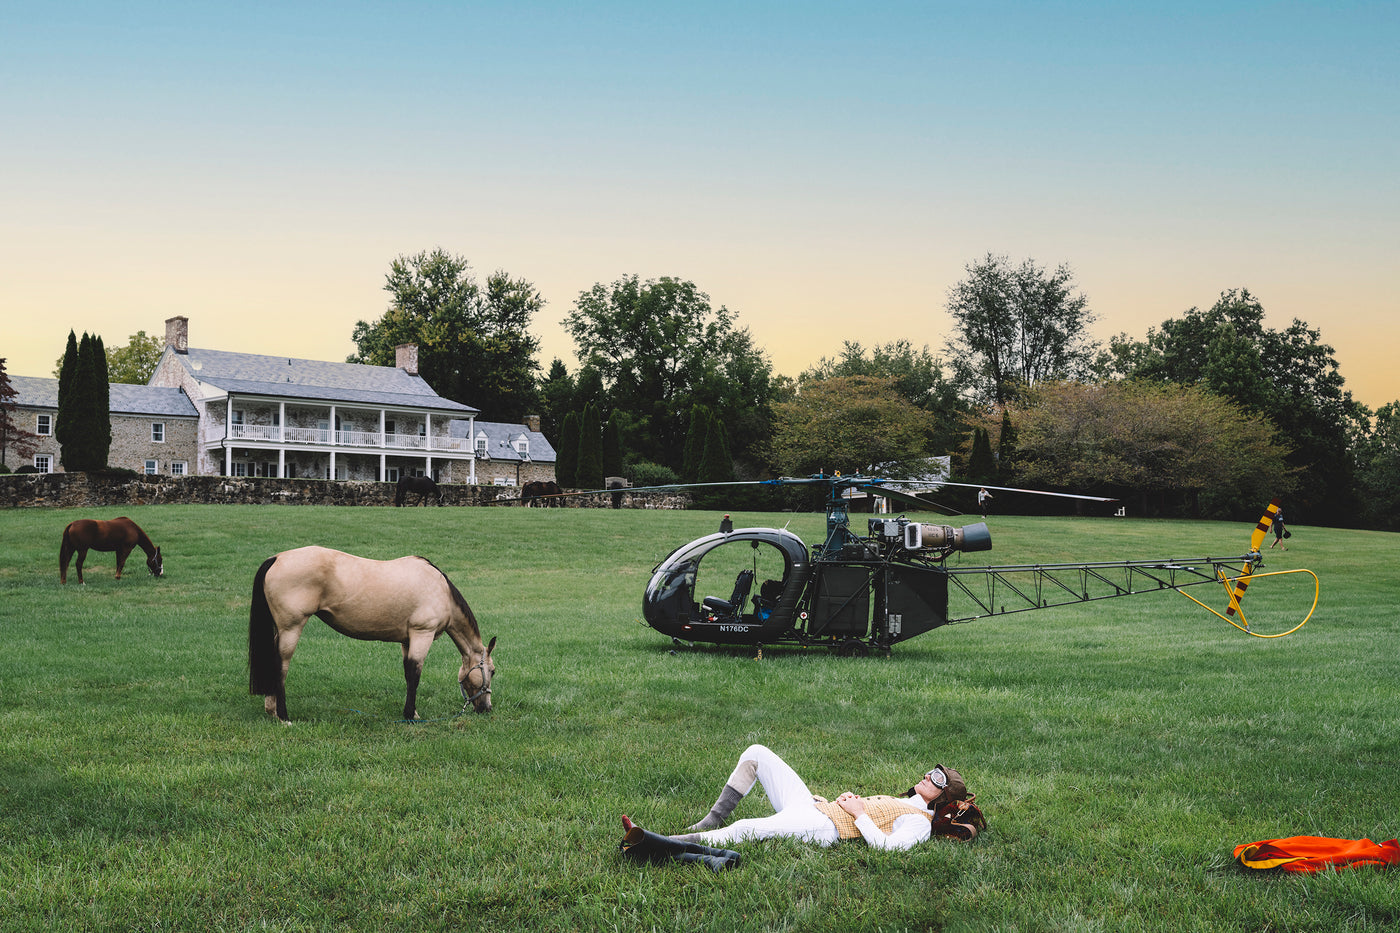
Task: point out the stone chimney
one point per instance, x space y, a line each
177 333
533 423
406 358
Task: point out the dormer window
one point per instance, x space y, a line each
522 445
481 445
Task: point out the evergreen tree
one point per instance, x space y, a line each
590 450
556 393
67 383
716 466
1006 447
89 432
613 463
566 453
981 467
699 430
100 408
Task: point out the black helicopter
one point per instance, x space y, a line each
858 594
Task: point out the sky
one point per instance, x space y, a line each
825 171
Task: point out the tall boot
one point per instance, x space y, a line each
735 789
643 845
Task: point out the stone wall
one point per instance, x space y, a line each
83 490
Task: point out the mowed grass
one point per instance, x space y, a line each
1120 749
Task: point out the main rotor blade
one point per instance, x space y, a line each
906 498
1033 492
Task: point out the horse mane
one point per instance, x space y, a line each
143 540
457 596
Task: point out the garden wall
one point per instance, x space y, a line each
83 490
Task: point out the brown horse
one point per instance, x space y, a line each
408 600
120 535
420 486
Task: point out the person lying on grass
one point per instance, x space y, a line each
887 822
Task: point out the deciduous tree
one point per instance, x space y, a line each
474 344
15 439
659 347
1016 326
1173 446
1290 377
848 423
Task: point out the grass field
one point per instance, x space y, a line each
1120 749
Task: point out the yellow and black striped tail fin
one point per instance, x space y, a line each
1256 541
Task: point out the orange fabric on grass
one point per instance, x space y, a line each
1315 853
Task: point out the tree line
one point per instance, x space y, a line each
1211 413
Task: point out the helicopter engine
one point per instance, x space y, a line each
913 536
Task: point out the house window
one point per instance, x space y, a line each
43 463
391 474
152 467
481 447
43 425
178 467
388 426
240 468
237 416
158 432
522 446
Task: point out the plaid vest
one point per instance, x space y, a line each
882 809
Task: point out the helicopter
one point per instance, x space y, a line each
863 593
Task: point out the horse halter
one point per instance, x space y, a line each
470 700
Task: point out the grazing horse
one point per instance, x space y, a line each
534 492
407 600
120 535
420 486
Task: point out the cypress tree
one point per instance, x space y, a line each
100 408
1006 447
79 451
566 454
981 467
716 466
695 435
67 380
590 450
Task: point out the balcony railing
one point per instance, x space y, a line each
327 438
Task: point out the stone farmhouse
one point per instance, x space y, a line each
153 428
241 414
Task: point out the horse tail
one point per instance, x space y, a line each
65 550
399 493
264 662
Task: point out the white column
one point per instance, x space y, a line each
228 429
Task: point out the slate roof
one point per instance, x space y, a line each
36 392
256 374
500 440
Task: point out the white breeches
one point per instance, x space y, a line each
797 816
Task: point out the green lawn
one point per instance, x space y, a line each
1120 749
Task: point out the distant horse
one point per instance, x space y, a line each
408 600
120 535
541 494
420 486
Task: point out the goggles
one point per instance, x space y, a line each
938 778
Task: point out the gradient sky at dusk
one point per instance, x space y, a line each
824 170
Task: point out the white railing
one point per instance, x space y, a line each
255 432
328 438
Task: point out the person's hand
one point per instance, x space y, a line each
853 804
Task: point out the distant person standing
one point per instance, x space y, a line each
982 497
1280 532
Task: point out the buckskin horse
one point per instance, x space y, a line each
91 534
421 486
408 600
